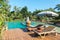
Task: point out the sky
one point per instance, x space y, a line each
34 4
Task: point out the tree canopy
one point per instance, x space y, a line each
21 12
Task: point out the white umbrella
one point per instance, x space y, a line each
48 13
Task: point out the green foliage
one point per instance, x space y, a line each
4 10
21 13
36 12
49 9
24 11
57 7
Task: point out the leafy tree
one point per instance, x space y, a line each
36 12
58 11
24 11
4 8
57 7
49 9
15 14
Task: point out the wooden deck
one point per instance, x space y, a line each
15 34
18 34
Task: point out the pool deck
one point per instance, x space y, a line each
18 34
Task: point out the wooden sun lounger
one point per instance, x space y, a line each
47 30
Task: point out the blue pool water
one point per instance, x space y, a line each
22 25
13 25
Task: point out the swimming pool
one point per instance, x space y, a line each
14 25
22 25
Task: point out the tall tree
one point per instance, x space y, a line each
36 12
57 7
4 8
24 11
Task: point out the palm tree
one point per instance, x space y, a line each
57 7
58 11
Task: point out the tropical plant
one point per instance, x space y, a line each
57 7
58 11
